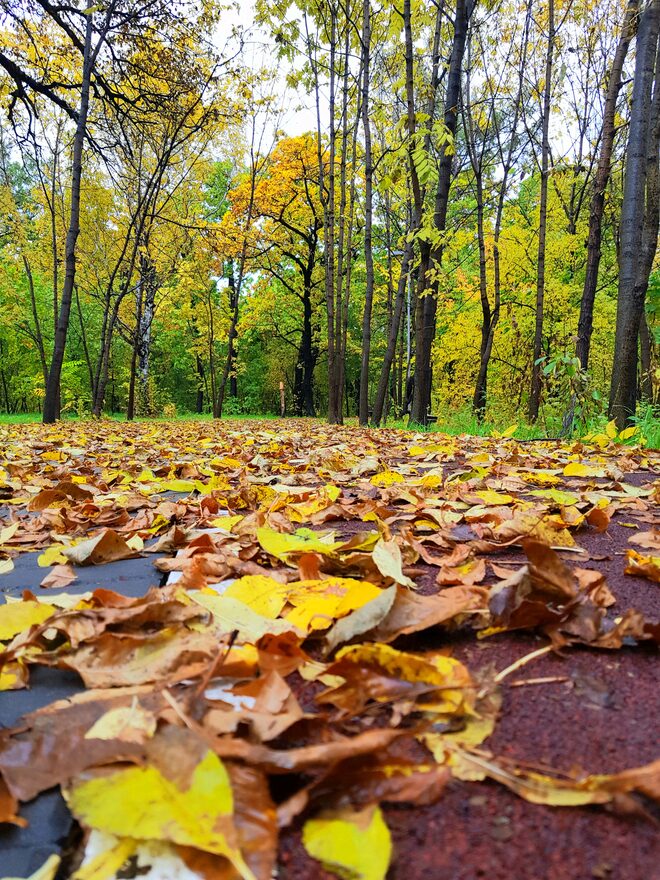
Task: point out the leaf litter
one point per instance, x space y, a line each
297 670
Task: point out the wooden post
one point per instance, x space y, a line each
282 406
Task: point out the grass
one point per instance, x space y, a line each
454 422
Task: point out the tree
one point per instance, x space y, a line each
368 216
283 245
109 49
642 140
427 304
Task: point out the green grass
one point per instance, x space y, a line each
19 418
453 422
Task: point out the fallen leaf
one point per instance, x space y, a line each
105 547
352 844
387 556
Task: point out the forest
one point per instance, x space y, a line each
468 228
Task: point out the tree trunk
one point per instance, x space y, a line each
199 403
535 390
646 369
231 344
415 220
632 283
83 337
368 216
597 208
105 361
329 233
130 406
307 357
51 400
38 337
390 351
147 283
427 306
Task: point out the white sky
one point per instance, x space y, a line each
298 111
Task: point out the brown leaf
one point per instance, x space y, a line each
412 613
45 498
59 576
107 546
49 747
9 807
306 757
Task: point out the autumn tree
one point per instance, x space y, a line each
639 228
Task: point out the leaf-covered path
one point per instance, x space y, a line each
245 647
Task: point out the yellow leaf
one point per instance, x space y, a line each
262 594
437 670
175 486
8 532
475 731
52 456
387 478
280 545
226 523
135 543
333 492
645 566
16 617
611 429
6 565
430 481
52 555
575 469
106 864
231 614
215 483
557 495
627 433
490 497
126 723
144 804
543 478
317 604
355 845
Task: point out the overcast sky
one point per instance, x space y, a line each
298 111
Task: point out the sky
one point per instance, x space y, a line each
298 111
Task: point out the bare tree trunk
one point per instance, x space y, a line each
535 390
597 208
83 336
368 216
38 337
143 329
51 400
199 404
632 283
130 406
231 341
